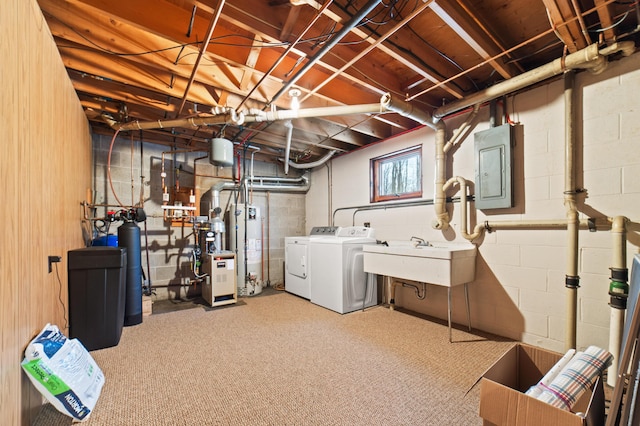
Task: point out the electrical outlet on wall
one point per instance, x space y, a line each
53 259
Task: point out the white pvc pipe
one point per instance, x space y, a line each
616 324
464 130
572 214
441 221
588 57
463 208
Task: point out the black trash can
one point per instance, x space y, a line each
97 279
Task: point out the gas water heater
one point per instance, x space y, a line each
245 239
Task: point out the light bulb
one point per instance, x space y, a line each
295 102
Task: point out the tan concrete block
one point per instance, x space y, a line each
603 181
594 312
546 257
521 277
631 179
540 302
543 342
595 260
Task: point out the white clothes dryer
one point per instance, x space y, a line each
296 260
338 281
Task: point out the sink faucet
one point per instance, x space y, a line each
421 242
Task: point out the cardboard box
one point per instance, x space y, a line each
502 398
147 306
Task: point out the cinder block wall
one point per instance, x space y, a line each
170 247
519 288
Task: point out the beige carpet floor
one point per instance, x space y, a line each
276 359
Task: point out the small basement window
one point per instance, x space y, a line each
397 175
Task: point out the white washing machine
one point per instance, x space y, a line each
296 260
338 281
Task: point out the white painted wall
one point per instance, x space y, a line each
519 288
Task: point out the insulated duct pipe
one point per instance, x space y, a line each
348 26
263 183
407 110
278 184
287 149
589 57
572 280
618 292
313 164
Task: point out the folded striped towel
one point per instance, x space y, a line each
577 376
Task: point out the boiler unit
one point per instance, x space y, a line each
219 287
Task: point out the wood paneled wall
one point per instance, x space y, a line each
45 162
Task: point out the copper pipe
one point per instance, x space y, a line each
506 52
372 46
286 52
486 30
583 27
335 39
203 49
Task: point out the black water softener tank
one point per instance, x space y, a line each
97 279
129 237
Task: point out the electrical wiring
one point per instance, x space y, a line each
409 52
615 24
318 40
540 50
64 310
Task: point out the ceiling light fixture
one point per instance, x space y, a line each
295 102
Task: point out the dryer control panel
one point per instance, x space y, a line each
329 231
356 231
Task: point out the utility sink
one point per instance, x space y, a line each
441 263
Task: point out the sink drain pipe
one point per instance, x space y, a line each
396 282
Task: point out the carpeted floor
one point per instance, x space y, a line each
276 359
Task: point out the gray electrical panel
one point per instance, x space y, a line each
493 163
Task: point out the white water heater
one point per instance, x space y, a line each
245 239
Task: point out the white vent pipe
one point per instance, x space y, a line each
617 313
572 280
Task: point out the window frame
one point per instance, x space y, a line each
375 165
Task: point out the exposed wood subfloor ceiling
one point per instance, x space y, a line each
161 60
